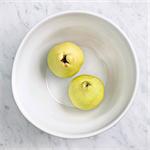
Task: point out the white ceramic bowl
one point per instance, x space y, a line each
42 97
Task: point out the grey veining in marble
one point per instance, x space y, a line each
16 19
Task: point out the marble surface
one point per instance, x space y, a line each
16 19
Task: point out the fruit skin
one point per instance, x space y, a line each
65 59
86 92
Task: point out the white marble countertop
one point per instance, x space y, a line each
16 19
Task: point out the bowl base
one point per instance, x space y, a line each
58 87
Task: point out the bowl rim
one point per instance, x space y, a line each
112 123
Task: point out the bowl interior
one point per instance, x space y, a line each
43 98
